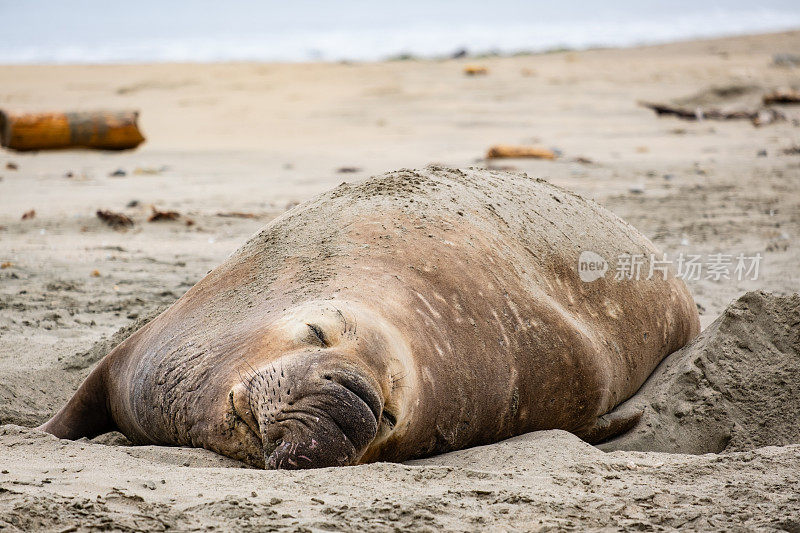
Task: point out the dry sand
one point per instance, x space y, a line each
254 138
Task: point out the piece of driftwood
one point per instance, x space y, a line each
237 214
759 117
509 151
348 170
103 130
792 150
782 97
475 70
161 216
766 116
115 220
786 60
698 113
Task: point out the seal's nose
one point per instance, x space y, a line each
357 385
317 411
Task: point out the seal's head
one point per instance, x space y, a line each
325 384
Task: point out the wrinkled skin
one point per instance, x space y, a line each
415 313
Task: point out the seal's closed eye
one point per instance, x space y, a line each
390 418
318 335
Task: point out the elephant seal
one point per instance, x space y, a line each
410 314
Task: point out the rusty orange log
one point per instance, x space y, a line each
475 70
103 130
505 150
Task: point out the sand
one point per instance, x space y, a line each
735 387
256 138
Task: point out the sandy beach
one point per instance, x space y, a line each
231 146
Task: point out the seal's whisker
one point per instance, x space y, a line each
245 380
250 377
344 320
255 372
241 377
397 378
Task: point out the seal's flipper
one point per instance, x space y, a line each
86 414
609 425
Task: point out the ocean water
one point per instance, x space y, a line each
94 31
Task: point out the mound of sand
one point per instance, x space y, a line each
28 397
735 387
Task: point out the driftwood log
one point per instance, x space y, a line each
508 151
475 70
782 97
759 117
102 130
697 113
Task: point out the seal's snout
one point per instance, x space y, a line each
316 411
357 385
